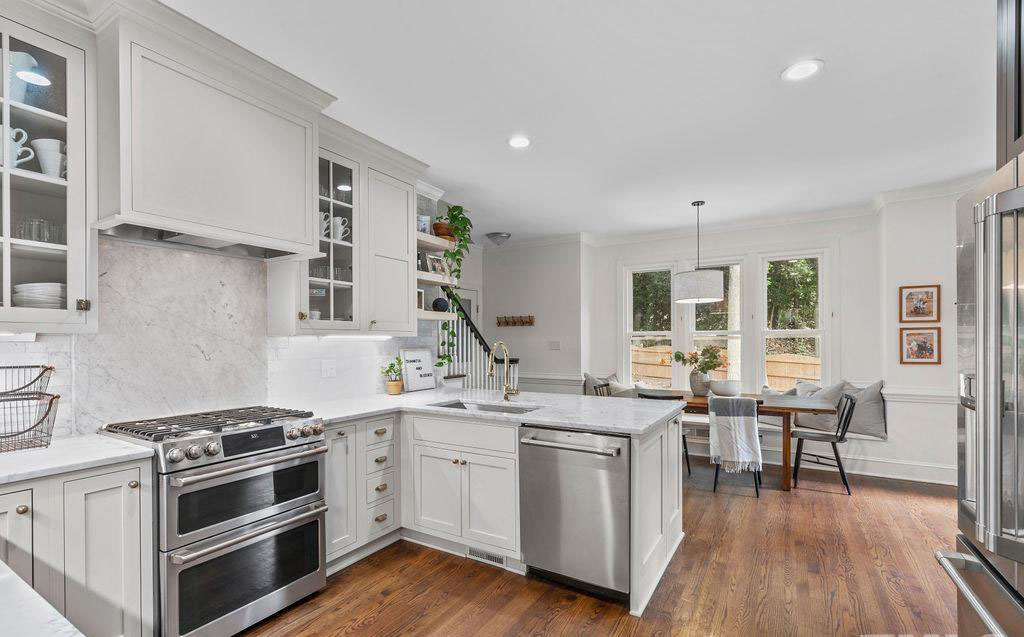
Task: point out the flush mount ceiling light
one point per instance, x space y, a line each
519 141
345 188
33 78
698 286
498 238
802 70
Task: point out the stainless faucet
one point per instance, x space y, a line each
509 389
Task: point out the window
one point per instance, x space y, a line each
649 326
720 324
792 332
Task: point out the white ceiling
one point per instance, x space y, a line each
636 108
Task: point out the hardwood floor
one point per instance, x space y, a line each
812 561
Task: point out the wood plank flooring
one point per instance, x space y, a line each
812 561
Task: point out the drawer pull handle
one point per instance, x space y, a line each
380 459
381 487
21 509
381 431
341 434
133 484
381 517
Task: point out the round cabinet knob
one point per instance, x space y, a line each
21 509
212 448
318 428
455 461
175 455
194 452
462 462
307 430
293 434
133 484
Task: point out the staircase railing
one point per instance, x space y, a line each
471 351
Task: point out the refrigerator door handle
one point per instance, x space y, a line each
967 396
989 375
945 560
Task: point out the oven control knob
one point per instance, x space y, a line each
294 433
175 455
307 430
212 448
318 428
194 452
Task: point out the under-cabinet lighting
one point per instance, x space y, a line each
345 188
357 337
802 70
33 78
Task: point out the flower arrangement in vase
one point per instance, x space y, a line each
701 361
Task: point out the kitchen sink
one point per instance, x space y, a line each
491 407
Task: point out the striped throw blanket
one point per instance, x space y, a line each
734 442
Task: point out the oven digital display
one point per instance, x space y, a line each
249 441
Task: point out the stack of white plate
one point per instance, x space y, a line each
45 295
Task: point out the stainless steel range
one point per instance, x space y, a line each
240 514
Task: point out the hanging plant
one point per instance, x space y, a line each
460 226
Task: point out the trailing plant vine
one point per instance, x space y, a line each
461 227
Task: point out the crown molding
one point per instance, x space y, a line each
350 136
429 191
945 188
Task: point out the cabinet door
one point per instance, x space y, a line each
1009 82
16 532
437 489
103 554
43 234
342 500
489 500
391 211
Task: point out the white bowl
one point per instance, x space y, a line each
725 387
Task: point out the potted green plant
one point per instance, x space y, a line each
460 227
701 361
393 372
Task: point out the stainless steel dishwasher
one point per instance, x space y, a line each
574 501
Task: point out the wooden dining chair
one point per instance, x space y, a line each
603 389
845 414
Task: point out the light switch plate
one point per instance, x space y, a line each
554 345
328 368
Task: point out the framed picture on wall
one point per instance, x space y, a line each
921 345
919 303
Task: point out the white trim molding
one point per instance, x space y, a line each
565 380
934 395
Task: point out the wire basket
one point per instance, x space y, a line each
26 420
24 378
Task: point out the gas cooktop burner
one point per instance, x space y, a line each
157 429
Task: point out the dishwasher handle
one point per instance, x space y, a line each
533 442
946 560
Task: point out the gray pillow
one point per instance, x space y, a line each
832 394
775 421
869 413
589 381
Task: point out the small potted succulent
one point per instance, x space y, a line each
702 362
393 372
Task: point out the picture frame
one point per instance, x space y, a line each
921 345
417 369
920 303
437 265
420 299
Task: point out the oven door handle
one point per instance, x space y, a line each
191 556
213 475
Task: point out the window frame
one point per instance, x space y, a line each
742 333
627 333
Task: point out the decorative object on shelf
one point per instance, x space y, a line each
698 286
25 378
42 230
320 270
702 362
920 303
314 315
51 157
318 292
52 296
460 226
26 420
18 139
325 225
440 304
725 387
393 373
514 321
339 228
419 371
437 265
498 238
420 299
441 229
423 223
921 345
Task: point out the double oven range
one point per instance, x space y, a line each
240 514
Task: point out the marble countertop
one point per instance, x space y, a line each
68 454
27 613
624 416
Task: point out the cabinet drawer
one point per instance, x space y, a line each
381 517
465 434
382 430
380 487
380 459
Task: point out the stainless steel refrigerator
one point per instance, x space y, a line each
987 565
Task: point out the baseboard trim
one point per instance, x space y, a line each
364 551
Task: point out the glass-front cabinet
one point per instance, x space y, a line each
331 293
44 233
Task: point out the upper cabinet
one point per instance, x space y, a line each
47 253
363 279
1009 84
205 145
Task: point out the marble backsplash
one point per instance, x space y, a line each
183 331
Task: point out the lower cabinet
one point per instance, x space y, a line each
468 495
342 489
16 532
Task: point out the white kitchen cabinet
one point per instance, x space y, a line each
207 141
342 489
16 532
391 216
103 577
437 486
489 496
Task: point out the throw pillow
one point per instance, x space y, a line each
589 381
775 421
869 412
832 394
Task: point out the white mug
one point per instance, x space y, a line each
16 154
340 229
52 164
46 145
325 224
314 315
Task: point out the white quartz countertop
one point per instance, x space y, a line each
25 612
624 416
68 454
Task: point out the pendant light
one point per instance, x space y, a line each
698 286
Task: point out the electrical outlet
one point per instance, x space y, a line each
328 368
554 345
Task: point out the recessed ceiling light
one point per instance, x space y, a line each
33 78
519 141
802 70
345 188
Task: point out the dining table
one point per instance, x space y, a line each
784 406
